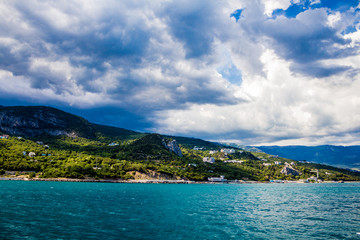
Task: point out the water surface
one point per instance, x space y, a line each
66 210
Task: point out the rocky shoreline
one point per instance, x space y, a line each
163 181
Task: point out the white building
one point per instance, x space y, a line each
312 178
234 161
277 163
209 159
267 164
228 150
32 154
198 148
113 144
217 179
213 151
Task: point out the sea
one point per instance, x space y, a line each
82 210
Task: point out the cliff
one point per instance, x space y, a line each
173 147
36 121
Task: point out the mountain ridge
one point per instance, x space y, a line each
340 156
35 121
334 155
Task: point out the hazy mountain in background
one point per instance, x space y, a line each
340 156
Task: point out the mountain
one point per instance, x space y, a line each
246 148
340 156
35 121
45 142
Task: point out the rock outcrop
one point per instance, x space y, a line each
288 170
173 147
36 121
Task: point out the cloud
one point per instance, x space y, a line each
234 69
283 108
103 50
194 24
304 43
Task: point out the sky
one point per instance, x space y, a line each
260 72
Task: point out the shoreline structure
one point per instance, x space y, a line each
156 181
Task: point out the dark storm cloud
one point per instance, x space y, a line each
92 47
193 24
305 37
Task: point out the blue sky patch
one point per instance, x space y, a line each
295 8
232 74
237 14
349 29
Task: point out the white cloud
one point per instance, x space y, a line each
271 5
160 60
283 105
22 89
333 19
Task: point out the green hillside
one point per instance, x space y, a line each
103 152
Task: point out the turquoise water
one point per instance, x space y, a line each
65 210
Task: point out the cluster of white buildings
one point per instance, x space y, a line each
228 150
4 136
234 161
209 159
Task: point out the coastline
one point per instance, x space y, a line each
160 181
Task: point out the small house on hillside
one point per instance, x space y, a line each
32 154
113 144
209 159
198 148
